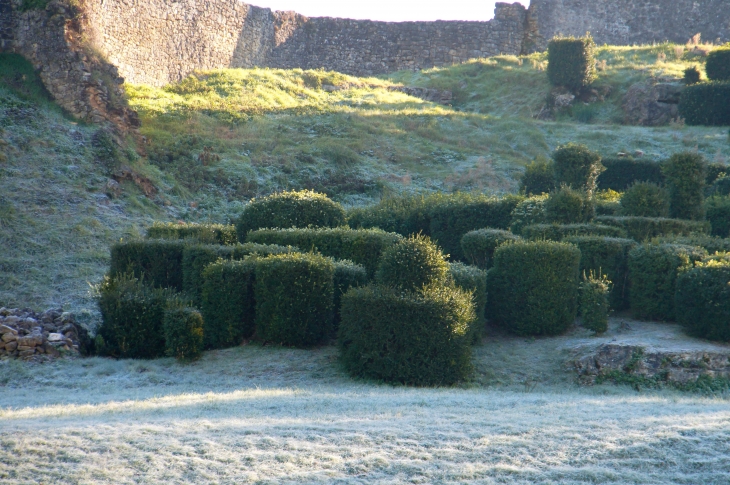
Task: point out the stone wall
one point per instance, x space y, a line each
627 22
7 30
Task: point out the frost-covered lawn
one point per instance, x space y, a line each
270 415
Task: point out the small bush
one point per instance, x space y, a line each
609 256
347 275
294 299
203 233
533 287
556 232
577 167
594 308
227 302
717 65
362 246
539 178
132 317
717 212
568 206
645 199
479 246
621 173
158 261
412 264
571 62
653 271
290 209
706 104
183 329
691 76
703 300
528 212
645 228
685 174
712 244
473 280
420 338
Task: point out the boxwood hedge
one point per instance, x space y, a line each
571 62
479 246
412 264
473 280
183 327
158 261
706 104
644 228
203 233
558 232
621 173
703 301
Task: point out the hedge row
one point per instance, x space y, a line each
157 261
712 244
621 173
557 232
644 228
717 212
706 104
204 233
703 300
479 246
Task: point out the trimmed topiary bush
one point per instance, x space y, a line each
290 209
703 300
706 104
712 244
568 206
347 275
412 264
533 287
609 256
594 308
539 178
362 246
645 199
571 62
413 338
404 215
158 261
479 246
556 232
528 212
577 167
227 302
691 76
685 174
474 281
717 65
621 173
653 271
203 233
645 228
717 212
294 299
183 329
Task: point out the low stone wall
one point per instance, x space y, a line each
27 335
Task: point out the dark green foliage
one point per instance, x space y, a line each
106 150
717 211
132 315
228 305
420 338
607 207
620 173
412 264
644 228
608 256
691 76
558 232
713 244
717 66
539 178
645 199
479 246
294 299
594 308
528 212
685 174
347 275
653 270
26 5
290 209
577 167
569 206
720 187
474 281
706 104
715 171
404 215
204 233
533 287
463 213
159 261
571 62
703 301
362 246
183 329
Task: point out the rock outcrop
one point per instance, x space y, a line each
652 103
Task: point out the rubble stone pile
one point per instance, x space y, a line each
25 334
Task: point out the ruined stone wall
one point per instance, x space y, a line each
627 22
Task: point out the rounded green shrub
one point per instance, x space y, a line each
571 62
645 199
183 329
290 209
412 264
703 300
474 281
479 246
294 299
594 307
528 212
569 206
577 167
706 104
717 65
539 178
558 232
685 174
717 211
533 287
653 270
414 338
